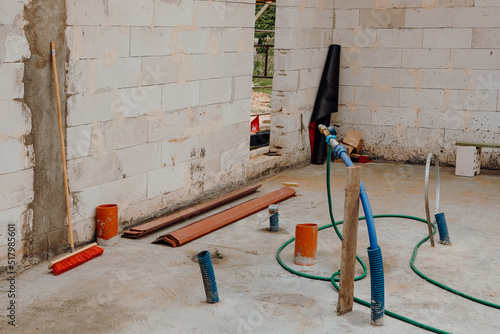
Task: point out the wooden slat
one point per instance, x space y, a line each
157 224
214 222
349 241
469 143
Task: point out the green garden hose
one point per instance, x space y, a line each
333 279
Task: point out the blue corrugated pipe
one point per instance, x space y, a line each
207 272
374 252
444 237
341 152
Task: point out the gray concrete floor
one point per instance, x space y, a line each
138 287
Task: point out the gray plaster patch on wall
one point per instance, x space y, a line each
46 22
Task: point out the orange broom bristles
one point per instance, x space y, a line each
77 259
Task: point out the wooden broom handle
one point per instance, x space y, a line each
63 152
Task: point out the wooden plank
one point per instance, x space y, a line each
469 143
349 241
162 222
261 11
197 229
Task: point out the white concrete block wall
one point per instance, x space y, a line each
16 151
159 103
415 70
303 35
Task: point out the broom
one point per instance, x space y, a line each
87 253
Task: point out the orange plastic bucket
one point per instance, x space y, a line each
107 224
306 244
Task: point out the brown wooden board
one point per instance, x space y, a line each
218 220
349 241
157 224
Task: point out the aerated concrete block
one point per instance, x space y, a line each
476 17
476 59
242 87
89 171
86 108
175 152
93 75
293 17
426 98
176 96
400 38
163 69
346 18
138 101
22 219
447 38
473 100
429 18
166 179
236 112
236 64
16 155
171 14
239 15
125 191
98 41
145 41
310 78
16 118
17 188
287 80
369 95
167 125
10 10
207 66
122 133
468 161
210 13
130 12
215 91
78 141
84 203
369 57
11 85
488 38
426 58
393 18
16 45
139 159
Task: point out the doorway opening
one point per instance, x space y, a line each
263 71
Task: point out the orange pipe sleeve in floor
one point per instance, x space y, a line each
306 244
107 224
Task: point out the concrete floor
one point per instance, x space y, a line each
138 287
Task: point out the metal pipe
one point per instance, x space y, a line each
444 237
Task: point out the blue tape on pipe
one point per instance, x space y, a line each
330 137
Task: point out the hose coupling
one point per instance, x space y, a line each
329 137
337 151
